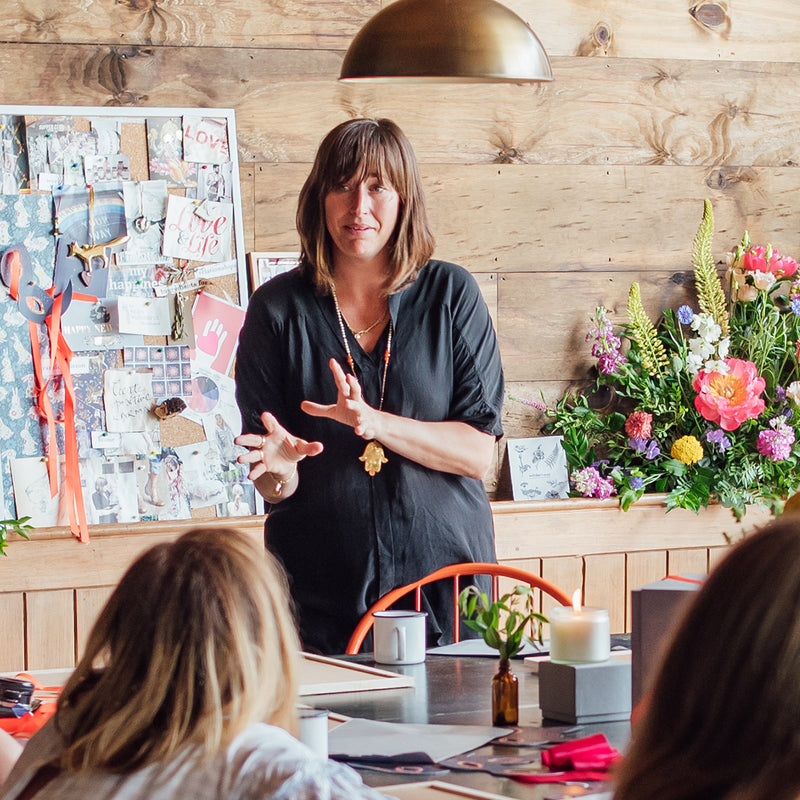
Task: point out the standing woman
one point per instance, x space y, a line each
370 386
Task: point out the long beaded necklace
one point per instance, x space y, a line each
374 456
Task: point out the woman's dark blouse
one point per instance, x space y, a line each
344 537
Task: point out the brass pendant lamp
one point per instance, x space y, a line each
469 41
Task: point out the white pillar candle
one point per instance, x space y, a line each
579 635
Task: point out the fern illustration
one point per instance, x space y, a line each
710 294
643 332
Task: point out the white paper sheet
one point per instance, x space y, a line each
365 737
477 647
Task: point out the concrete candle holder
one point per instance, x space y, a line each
588 692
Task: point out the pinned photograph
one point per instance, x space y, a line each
205 140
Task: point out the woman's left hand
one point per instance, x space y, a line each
350 407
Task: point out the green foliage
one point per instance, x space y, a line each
19 526
502 624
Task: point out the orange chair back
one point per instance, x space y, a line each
454 571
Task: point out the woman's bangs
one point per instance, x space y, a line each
368 155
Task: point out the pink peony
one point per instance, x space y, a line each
755 260
729 398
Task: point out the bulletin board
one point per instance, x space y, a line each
123 284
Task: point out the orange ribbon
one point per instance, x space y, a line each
60 353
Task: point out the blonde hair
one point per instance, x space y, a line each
722 718
194 645
354 150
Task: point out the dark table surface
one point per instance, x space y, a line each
456 690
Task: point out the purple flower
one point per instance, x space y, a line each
796 306
780 394
639 445
685 315
609 363
605 345
776 444
718 438
533 403
636 482
653 450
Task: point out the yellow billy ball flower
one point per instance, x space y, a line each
687 449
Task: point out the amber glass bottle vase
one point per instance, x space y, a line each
505 696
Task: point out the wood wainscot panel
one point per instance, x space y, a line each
604 586
89 603
690 561
566 572
574 543
716 554
12 613
50 629
532 565
640 569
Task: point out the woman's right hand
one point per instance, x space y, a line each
275 452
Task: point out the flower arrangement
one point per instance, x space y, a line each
706 401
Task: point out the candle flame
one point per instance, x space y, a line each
576 599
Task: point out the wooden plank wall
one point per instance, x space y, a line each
559 194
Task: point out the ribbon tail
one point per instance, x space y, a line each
72 480
44 407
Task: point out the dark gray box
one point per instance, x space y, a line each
582 693
655 610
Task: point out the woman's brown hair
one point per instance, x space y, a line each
354 150
195 644
723 716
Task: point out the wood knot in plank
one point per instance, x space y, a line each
712 16
507 155
598 43
681 278
138 5
111 72
729 177
602 34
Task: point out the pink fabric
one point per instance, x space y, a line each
590 753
